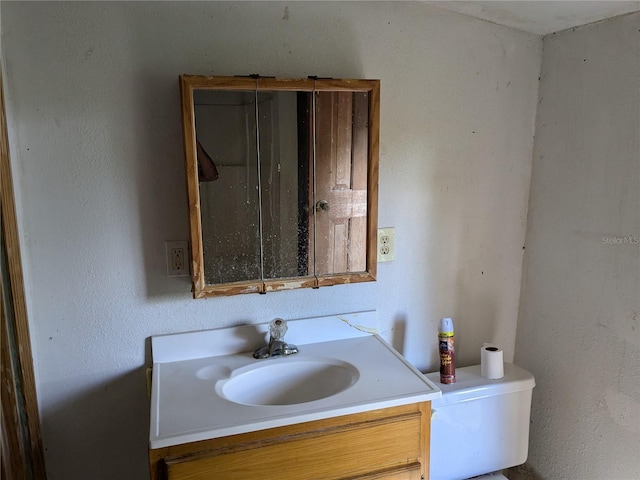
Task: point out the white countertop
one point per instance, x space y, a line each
185 406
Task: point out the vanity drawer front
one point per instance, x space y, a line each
412 471
390 446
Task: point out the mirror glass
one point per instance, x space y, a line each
227 173
279 185
340 188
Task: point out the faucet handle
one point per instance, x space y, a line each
278 328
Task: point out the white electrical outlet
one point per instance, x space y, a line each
177 259
386 244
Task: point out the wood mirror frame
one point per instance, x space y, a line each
315 89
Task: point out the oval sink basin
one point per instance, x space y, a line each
287 381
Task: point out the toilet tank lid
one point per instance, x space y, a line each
470 385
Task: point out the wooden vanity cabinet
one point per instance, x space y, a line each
385 444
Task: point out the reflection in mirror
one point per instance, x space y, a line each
225 124
284 191
282 182
253 230
341 125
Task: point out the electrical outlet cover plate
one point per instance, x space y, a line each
386 244
177 259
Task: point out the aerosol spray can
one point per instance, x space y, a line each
447 351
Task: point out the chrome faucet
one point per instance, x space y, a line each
277 345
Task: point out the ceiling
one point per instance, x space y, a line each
541 17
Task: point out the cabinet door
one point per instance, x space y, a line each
412 471
384 444
341 182
352 451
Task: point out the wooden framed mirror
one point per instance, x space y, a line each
282 182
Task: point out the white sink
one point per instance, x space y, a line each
207 384
287 381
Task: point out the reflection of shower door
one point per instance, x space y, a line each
230 205
269 184
341 182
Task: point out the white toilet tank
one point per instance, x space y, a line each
480 425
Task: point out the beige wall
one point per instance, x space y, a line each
579 330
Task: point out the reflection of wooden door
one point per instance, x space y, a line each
341 182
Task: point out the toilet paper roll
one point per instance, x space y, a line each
491 363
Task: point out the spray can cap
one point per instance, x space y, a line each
445 325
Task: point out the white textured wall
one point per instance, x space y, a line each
579 328
96 146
